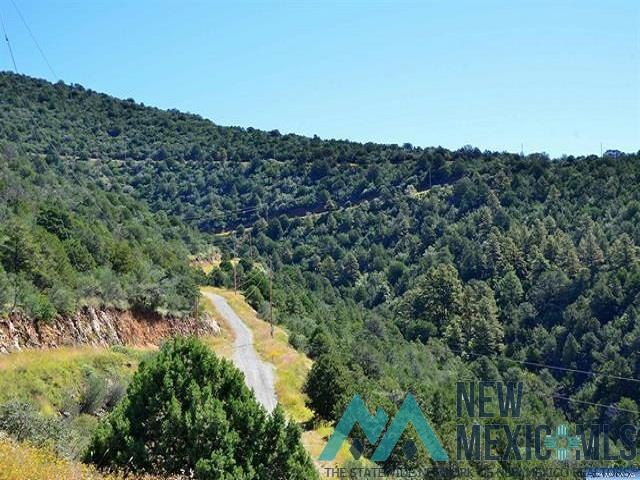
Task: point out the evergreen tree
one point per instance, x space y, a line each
327 387
188 410
434 302
477 328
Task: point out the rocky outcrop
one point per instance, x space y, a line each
99 327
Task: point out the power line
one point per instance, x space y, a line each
69 170
529 392
250 292
557 395
253 274
235 271
35 123
250 277
533 392
553 367
6 37
595 404
33 37
248 231
37 128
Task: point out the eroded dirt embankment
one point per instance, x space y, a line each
99 327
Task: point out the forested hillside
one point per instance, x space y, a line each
65 242
396 268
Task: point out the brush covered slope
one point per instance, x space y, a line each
396 268
65 242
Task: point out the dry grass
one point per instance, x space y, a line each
291 366
24 462
291 369
222 344
20 461
207 265
206 260
43 377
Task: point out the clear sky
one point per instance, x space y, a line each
557 76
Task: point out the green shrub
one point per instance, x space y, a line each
298 341
93 392
185 409
327 387
4 289
218 278
23 422
68 436
63 301
115 392
39 306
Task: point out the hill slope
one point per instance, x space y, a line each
418 267
65 242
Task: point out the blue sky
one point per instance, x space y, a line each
557 76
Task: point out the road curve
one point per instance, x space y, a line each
258 375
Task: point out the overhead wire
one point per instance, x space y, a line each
6 37
33 37
221 214
585 402
552 367
37 127
559 396
252 275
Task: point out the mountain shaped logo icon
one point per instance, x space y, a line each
373 426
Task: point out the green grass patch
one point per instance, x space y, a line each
47 378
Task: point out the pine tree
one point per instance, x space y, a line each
570 351
493 253
624 253
440 294
509 289
477 328
350 269
327 387
590 252
187 410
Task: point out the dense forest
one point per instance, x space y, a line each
396 268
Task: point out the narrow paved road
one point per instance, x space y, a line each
258 375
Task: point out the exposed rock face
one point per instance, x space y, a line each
99 327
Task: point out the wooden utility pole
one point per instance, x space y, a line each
235 276
271 295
